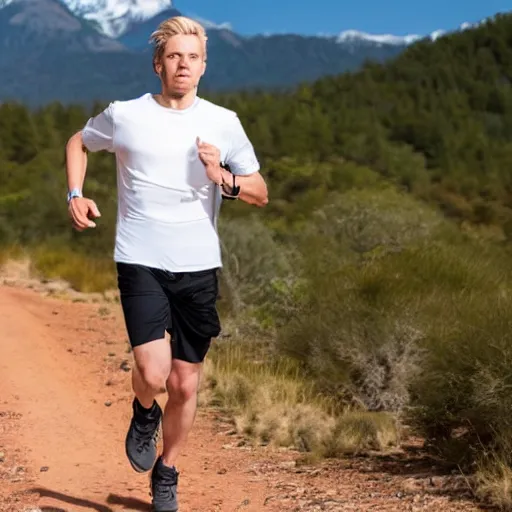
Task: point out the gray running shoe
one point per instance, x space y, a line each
164 484
142 437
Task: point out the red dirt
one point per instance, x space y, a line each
64 410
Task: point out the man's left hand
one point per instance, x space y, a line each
210 156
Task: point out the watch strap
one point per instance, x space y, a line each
74 193
234 191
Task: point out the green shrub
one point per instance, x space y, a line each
258 274
420 327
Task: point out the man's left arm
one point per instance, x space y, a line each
252 187
244 168
243 180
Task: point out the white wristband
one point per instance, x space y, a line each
74 193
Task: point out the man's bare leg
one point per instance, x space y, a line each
150 373
181 407
151 370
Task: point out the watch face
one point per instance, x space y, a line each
72 194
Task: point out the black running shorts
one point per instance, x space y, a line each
181 303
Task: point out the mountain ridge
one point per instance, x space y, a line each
68 59
357 35
114 18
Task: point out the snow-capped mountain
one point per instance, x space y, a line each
114 17
355 36
46 26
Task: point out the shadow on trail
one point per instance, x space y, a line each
410 462
131 504
422 472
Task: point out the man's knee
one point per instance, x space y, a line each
182 387
154 376
153 364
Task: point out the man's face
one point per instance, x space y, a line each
182 64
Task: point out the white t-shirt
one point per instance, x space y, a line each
167 206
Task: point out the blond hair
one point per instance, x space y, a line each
177 25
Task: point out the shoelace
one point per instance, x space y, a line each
144 436
163 487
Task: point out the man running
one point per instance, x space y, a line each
169 150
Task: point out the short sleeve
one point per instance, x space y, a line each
241 157
98 133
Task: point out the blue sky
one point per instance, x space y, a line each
398 17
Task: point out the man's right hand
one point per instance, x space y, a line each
80 210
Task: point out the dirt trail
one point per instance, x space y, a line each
65 405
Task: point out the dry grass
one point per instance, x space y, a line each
84 274
358 431
304 427
12 253
266 406
494 484
72 270
272 404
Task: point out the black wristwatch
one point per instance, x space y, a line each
234 189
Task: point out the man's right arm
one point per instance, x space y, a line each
97 135
79 208
76 162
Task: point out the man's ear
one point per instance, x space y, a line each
157 67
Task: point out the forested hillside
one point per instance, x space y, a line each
381 266
437 122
